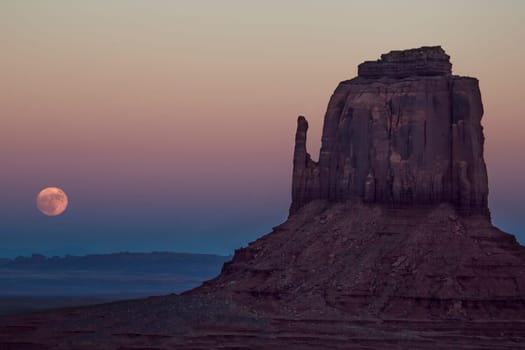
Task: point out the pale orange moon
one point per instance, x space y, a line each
51 201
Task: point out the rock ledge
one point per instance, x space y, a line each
424 61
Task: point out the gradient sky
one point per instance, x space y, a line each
170 124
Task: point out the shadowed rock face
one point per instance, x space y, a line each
404 133
369 261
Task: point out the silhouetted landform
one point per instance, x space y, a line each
401 142
38 282
183 263
389 242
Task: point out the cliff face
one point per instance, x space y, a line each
405 132
392 221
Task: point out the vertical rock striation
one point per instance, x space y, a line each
405 132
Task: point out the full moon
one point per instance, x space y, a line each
51 201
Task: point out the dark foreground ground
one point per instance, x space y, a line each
13 305
197 322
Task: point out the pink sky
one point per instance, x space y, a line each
181 102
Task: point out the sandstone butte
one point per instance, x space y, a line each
389 241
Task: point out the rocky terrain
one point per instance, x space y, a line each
389 242
401 142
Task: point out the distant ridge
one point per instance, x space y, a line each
126 261
112 276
